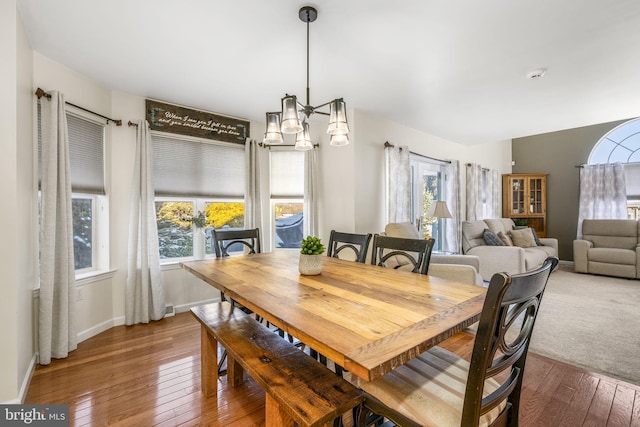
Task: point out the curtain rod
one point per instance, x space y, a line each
263 145
471 164
132 124
40 93
624 163
387 144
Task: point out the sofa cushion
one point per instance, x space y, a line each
500 224
612 256
402 229
611 233
472 234
523 238
533 231
505 238
491 238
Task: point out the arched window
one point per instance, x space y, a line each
622 144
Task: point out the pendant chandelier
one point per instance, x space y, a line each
288 119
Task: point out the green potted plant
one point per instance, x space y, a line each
311 250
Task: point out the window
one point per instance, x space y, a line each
175 229
427 184
192 175
287 197
88 205
622 144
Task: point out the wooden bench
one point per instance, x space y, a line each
297 387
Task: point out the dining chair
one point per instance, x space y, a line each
404 253
223 240
343 244
439 388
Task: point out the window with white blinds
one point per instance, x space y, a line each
197 168
287 174
86 154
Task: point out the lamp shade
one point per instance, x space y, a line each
439 210
290 118
303 139
273 135
338 118
339 140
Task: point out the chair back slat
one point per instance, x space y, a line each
394 252
340 242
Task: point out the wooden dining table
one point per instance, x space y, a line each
367 319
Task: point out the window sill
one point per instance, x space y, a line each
85 279
94 276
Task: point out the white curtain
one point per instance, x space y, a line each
57 334
493 194
453 233
474 191
399 184
252 195
602 193
310 193
144 296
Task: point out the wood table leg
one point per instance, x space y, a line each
208 363
274 415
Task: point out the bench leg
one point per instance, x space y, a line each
274 415
208 363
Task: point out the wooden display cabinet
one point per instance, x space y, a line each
524 199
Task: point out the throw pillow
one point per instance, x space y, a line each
505 238
523 238
533 230
491 238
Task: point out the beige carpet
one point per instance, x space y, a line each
592 322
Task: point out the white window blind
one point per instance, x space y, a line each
287 172
86 154
197 168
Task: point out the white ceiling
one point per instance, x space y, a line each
451 68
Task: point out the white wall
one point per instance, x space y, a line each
18 251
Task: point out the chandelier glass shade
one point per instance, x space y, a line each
287 121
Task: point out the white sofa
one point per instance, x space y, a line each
509 259
609 247
459 268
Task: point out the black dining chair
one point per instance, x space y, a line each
401 252
224 240
439 388
349 244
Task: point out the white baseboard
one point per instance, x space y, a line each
186 307
95 330
25 383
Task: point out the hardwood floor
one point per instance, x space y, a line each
148 375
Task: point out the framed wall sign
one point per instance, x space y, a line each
186 121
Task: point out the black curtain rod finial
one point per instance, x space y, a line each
40 93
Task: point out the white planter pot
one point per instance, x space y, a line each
310 265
